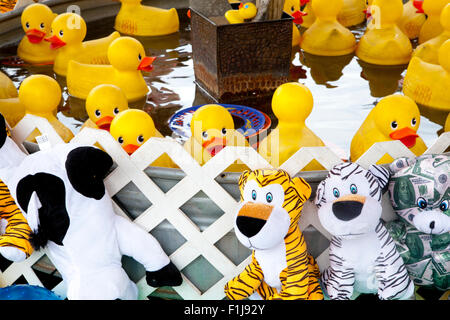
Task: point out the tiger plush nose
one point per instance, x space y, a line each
348 207
252 217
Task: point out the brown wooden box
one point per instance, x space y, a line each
233 62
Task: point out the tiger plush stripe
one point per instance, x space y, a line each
267 223
7 5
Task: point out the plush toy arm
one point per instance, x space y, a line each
393 278
15 241
246 283
144 248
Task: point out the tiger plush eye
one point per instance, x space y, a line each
254 195
336 192
269 197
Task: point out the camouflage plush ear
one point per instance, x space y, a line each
401 163
302 186
381 173
319 194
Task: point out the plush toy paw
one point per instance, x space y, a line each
13 254
166 276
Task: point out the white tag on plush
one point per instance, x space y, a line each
33 212
43 142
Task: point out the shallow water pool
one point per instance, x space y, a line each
344 88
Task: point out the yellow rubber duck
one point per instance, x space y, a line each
10 106
351 14
429 50
432 26
292 103
132 128
429 84
245 12
326 36
212 129
127 57
292 8
384 43
447 124
103 103
68 33
41 94
138 20
395 117
412 19
7 87
36 21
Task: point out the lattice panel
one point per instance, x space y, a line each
165 206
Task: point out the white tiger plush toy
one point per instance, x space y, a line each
363 256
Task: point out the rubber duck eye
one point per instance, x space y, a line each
27 25
140 57
444 205
116 111
98 113
205 135
246 6
336 193
61 33
394 125
120 139
42 25
292 9
140 139
413 121
269 197
353 189
254 195
422 203
224 131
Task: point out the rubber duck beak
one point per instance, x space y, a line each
55 42
418 4
241 5
189 13
104 123
35 36
130 148
406 135
214 145
146 64
368 13
298 16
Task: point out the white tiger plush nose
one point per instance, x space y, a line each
348 207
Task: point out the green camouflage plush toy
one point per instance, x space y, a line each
419 190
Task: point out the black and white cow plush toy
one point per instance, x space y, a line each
62 193
363 256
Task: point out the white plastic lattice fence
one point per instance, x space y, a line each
166 205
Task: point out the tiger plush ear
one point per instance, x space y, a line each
382 174
243 179
319 194
302 186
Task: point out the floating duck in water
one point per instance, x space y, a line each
212 129
428 83
10 106
432 26
429 50
292 103
138 20
36 22
103 103
127 57
41 95
326 36
384 43
412 19
68 33
132 128
351 13
292 8
245 12
395 117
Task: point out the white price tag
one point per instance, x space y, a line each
43 142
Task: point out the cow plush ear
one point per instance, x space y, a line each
382 174
3 131
86 168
